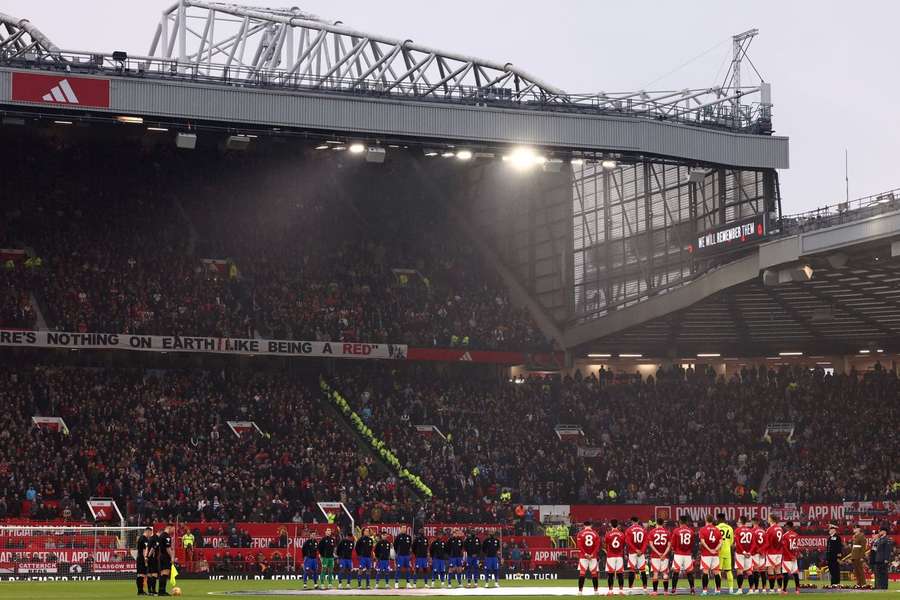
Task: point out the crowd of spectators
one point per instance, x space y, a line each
159 443
307 249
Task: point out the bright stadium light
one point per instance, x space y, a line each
596 355
631 356
577 161
322 147
63 122
157 129
608 164
790 354
464 154
131 120
864 351
448 154
709 355
430 153
521 158
339 147
357 148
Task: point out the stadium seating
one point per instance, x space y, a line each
142 240
157 440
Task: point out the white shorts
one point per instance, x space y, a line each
709 563
773 561
790 567
615 564
743 562
683 562
659 565
759 562
637 562
587 564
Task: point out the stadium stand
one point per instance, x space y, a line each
167 429
124 253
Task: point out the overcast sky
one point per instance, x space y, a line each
832 64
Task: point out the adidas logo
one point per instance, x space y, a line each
62 93
466 356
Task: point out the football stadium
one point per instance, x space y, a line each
271 292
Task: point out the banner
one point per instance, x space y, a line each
466 355
64 91
211 345
51 423
104 509
241 427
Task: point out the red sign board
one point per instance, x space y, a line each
64 91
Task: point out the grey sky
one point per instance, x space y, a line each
832 64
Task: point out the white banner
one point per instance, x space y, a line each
168 343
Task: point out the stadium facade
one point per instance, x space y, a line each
635 214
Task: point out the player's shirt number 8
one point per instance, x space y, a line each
588 540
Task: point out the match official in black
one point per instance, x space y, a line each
143 544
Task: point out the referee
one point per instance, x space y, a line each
143 544
152 562
166 557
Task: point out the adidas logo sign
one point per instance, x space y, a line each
62 93
466 356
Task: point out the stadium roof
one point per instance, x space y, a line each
18 37
849 301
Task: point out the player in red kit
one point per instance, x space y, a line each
614 543
790 547
743 552
710 540
759 556
660 541
773 551
588 543
636 544
683 538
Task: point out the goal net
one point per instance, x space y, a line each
31 552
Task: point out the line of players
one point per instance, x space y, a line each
447 557
760 554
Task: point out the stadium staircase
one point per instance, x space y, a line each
361 442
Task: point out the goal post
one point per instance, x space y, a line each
37 552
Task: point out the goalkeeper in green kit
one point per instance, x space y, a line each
326 555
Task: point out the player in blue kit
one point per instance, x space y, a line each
420 550
402 549
490 549
364 547
472 546
438 553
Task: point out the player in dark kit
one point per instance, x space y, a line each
420 549
310 550
490 548
166 557
141 558
364 547
345 559
402 549
152 563
472 546
383 558
438 553
455 552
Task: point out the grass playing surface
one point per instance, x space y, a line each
102 590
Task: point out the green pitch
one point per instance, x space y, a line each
103 590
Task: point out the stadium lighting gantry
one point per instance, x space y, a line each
357 148
464 154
